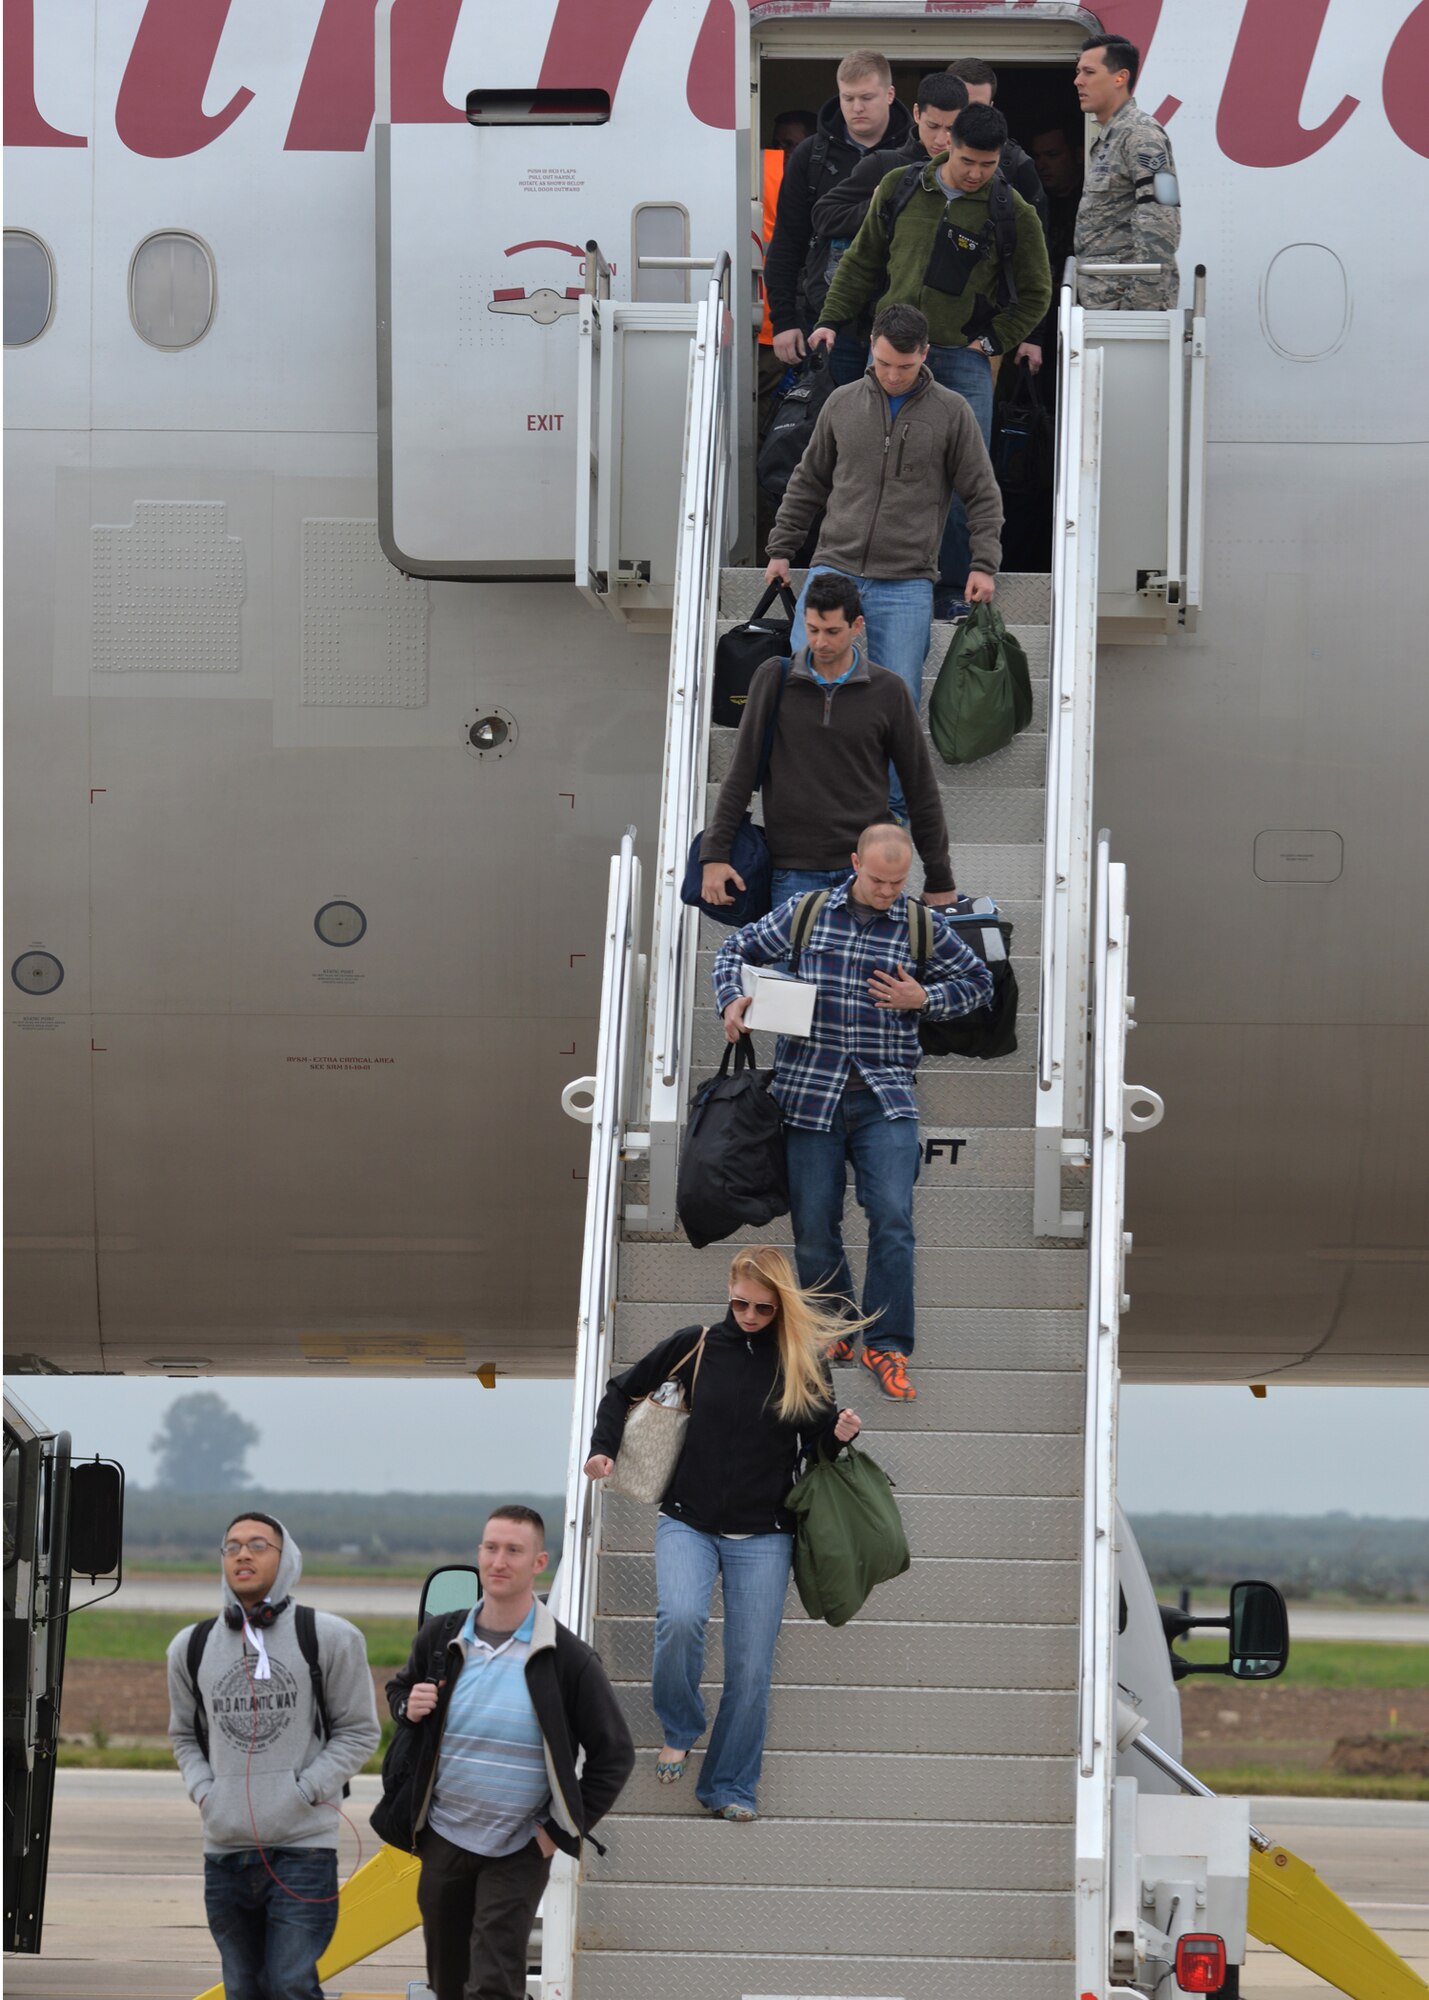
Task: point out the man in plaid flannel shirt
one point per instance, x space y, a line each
848 1090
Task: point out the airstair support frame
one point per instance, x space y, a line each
628 542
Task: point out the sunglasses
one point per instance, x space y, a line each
749 1306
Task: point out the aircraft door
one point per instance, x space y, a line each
626 136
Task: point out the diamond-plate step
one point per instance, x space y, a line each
897 1785
870 1652
624 1975
972 1277
948 1336
852 1853
1024 597
1022 763
893 1923
943 1592
988 1218
972 1526
1010 815
995 1721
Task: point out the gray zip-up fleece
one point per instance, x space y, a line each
886 483
828 770
264 1740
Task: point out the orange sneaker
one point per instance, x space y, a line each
891 1370
841 1353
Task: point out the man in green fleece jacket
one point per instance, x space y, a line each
944 259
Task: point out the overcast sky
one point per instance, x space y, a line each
1300 1451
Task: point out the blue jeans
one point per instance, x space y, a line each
755 1570
899 617
886 1155
970 373
800 881
270 1942
847 358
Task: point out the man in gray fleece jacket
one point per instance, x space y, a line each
266 1764
887 454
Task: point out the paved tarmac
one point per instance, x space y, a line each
105 1939
190 1595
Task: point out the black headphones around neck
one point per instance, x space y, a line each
260 1617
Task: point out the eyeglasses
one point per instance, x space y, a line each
259 1546
751 1306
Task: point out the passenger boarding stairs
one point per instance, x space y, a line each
935 1794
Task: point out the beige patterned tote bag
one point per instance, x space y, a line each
655 1435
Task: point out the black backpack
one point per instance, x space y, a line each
988 1031
1024 439
305 1624
1001 213
787 438
732 1167
744 649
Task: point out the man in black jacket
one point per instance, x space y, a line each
494 1707
840 211
798 264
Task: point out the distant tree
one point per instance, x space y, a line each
201 1445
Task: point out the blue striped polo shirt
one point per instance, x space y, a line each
492 1789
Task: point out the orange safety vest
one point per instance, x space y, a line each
774 158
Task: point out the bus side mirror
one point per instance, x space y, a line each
1260 1632
96 1518
455 1588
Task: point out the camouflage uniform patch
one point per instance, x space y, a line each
1120 220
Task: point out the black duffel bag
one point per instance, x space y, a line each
732 1168
787 438
744 649
988 1031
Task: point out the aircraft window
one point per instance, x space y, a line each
172 289
29 288
538 107
660 229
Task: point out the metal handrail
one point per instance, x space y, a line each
674 949
1066 880
1096 1684
610 1090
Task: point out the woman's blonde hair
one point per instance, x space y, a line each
807 1325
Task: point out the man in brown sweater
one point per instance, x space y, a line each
841 722
887 455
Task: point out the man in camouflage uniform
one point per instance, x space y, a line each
1129 212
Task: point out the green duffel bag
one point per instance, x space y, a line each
848 1534
983 694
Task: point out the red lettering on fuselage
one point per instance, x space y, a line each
1406 104
552 420
24 125
1258 124
160 109
333 113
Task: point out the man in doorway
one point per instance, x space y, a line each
889 454
792 128
979 78
505 1700
841 722
861 118
1058 160
1130 209
271 1711
847 1091
840 212
954 240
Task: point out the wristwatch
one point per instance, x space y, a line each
985 345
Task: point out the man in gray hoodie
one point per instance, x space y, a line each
271 1711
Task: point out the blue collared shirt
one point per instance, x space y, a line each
492 1787
848 1029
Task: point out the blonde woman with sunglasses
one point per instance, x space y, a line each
764 1398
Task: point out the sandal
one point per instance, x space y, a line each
740 1814
670 1770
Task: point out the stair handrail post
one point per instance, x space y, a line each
702 541
1064 977
573 1590
1096 1716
